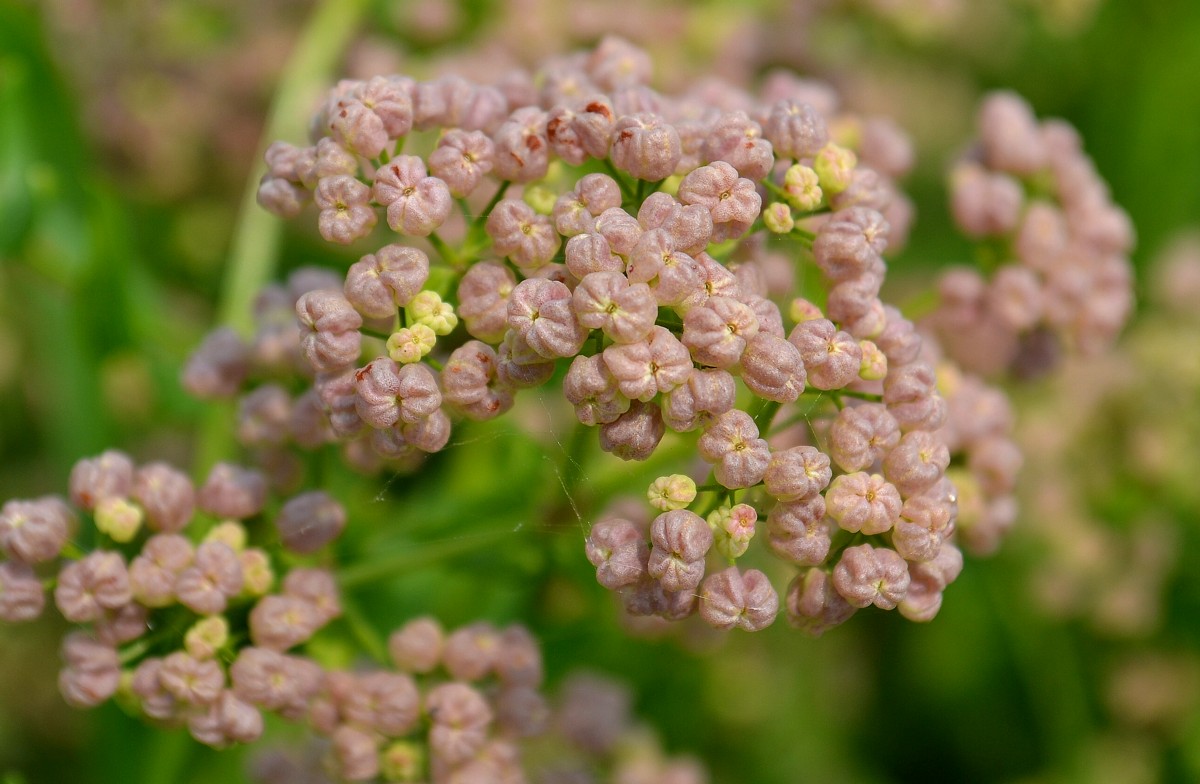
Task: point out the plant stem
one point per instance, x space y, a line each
254 249
415 557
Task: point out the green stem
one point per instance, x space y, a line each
366 634
254 250
622 183
858 395
444 250
416 557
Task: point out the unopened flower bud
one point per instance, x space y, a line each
733 528
801 309
229 532
119 518
417 646
730 598
310 521
777 217
834 165
411 344
428 308
206 636
671 492
257 571
874 362
402 761
21 594
803 188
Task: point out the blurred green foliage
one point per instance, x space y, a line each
101 298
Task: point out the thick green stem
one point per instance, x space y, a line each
254 250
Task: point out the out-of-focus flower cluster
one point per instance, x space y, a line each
1056 245
1113 440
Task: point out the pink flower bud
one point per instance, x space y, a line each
861 435
863 502
592 389
733 202
329 330
233 491
813 606
389 278
681 539
282 622
35 531
1010 135
773 368
469 382
357 128
519 366
346 214
730 598
356 752
984 204
871 575
218 366
916 462
214 578
618 550
109 475
674 276
635 434
88 587
738 140
524 236
417 646
153 572
462 159
460 717
483 300
540 312
643 369
608 301
798 531
910 394
21 594
417 204
310 521
705 395
522 147
796 130
191 681
797 473
850 242
717 331
645 146
924 525
731 442
388 393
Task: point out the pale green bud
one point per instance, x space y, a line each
428 308
540 198
229 532
803 187
874 361
834 165
121 519
802 310
672 492
410 344
777 217
733 528
257 572
206 637
402 761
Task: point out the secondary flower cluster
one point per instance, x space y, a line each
170 585
1057 245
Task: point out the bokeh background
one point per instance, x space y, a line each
129 130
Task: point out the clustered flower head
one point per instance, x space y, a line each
1054 245
618 232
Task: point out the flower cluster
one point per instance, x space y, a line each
1057 245
637 254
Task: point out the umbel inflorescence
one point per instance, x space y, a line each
645 243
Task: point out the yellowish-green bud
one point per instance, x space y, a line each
668 493
777 217
733 528
402 761
257 571
847 131
206 637
671 184
874 362
230 532
410 344
803 187
119 518
834 166
802 310
428 308
540 198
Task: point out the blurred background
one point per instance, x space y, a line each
129 130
